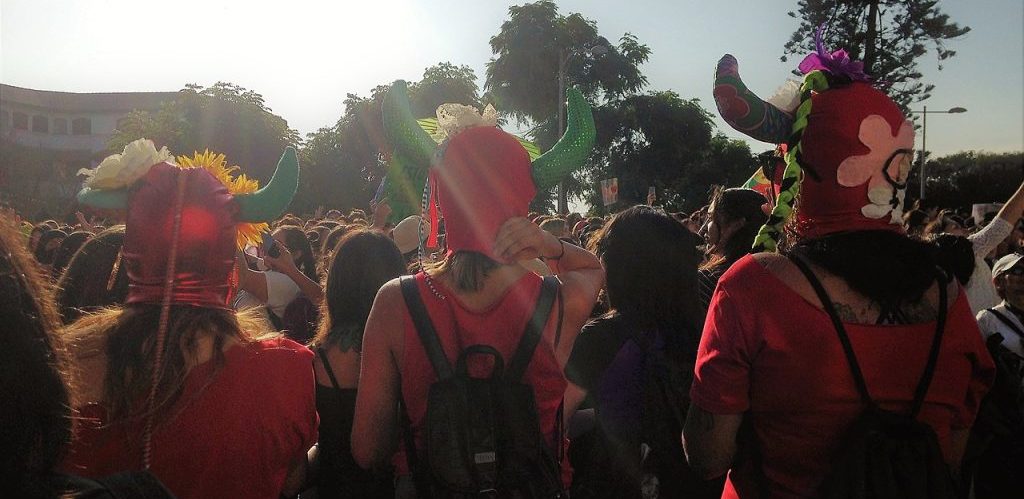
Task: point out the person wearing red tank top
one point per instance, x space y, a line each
482 181
776 348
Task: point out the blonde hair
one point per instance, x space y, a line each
468 269
125 336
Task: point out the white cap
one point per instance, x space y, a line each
1005 263
405 233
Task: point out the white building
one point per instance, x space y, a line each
48 136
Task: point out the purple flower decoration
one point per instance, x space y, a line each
838 63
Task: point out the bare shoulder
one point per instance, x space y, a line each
386 321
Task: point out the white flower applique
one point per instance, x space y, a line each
121 170
454 118
885 197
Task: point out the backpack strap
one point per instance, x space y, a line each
1006 320
933 355
425 328
534 328
858 376
929 371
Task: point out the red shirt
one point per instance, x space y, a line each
235 434
767 351
501 326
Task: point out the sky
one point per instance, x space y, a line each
304 56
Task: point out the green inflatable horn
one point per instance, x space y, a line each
273 199
401 127
105 200
572 150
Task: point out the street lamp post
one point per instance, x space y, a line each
924 136
564 56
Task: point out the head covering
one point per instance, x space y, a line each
481 176
182 229
1005 263
409 234
215 211
849 147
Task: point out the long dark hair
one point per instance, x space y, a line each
731 205
67 249
363 261
43 255
295 239
91 280
35 411
651 263
889 268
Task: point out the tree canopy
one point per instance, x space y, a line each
225 118
890 36
522 77
968 177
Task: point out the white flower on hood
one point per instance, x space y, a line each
786 97
121 170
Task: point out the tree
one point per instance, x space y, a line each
662 140
522 77
224 117
888 35
344 163
968 177
441 84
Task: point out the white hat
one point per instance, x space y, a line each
405 233
1005 263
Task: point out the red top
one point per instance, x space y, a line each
501 327
767 350
234 435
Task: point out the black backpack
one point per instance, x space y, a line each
482 435
885 454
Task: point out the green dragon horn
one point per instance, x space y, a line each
572 149
105 200
273 199
402 131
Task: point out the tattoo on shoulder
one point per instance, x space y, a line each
846 312
914 313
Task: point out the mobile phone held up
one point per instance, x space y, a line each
269 246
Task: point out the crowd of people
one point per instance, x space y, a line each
197 340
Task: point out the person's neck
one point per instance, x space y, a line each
495 285
1016 306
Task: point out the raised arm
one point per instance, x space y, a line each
986 240
579 270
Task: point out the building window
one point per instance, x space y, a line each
20 121
81 126
60 126
40 124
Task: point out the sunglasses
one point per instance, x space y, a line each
1015 271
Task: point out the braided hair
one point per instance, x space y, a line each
771 232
